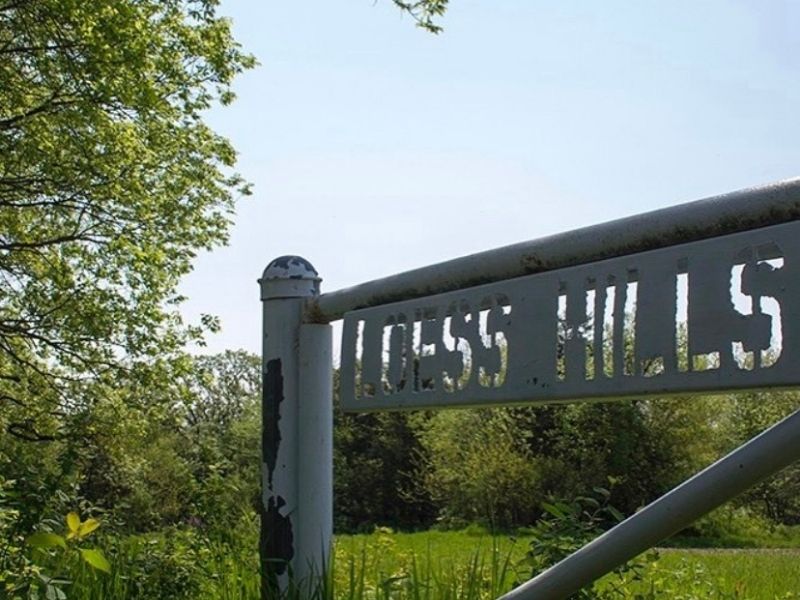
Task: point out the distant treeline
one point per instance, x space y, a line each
194 458
496 466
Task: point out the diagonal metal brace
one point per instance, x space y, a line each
761 457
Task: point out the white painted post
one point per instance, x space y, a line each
297 435
314 527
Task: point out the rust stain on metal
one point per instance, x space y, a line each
313 314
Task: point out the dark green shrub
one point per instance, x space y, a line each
569 525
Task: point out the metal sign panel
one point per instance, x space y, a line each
708 316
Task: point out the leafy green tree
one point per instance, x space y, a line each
375 460
110 182
480 467
191 458
778 498
221 437
647 446
425 12
222 388
497 466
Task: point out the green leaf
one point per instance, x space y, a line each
588 500
73 523
553 510
96 560
87 527
615 513
45 539
54 593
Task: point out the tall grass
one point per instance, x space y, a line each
422 566
369 567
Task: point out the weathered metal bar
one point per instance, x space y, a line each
708 316
294 528
764 455
719 215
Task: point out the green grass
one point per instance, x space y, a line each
733 573
679 573
754 536
435 565
440 546
430 565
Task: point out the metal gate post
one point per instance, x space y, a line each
297 435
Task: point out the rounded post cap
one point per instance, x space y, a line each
289 277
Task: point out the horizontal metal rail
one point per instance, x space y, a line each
764 455
719 215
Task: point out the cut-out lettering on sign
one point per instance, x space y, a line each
709 316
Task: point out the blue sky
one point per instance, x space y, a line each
375 147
